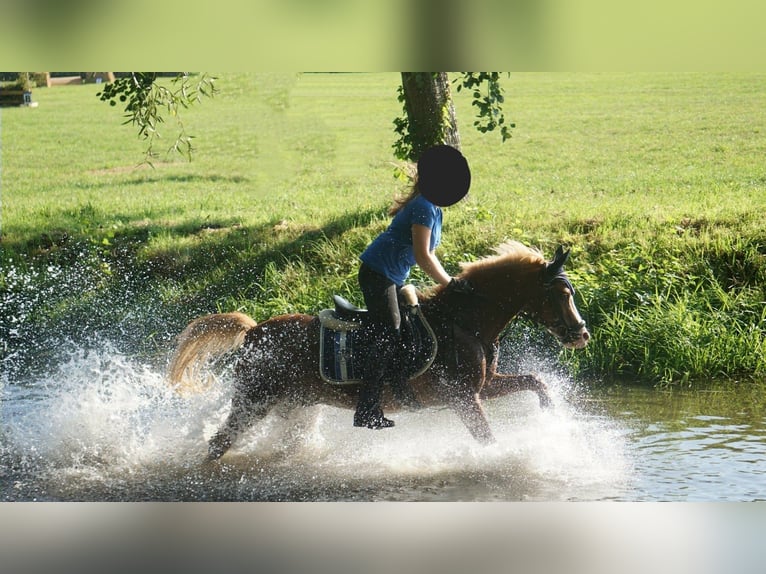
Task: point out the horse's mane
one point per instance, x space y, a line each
510 254
511 258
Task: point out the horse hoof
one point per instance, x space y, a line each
487 440
212 457
217 447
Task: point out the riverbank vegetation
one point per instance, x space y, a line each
656 181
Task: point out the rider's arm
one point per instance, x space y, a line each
426 259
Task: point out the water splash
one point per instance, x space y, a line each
104 426
87 415
97 417
49 312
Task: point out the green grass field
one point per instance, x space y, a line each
656 181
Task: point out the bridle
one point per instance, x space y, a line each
571 332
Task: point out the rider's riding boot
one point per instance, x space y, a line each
368 411
377 363
381 365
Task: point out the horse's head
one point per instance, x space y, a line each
519 280
556 308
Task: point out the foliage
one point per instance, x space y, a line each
488 104
145 98
490 115
23 81
668 315
403 145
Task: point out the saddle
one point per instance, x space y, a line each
341 351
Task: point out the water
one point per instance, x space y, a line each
103 426
702 445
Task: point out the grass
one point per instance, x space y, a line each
655 180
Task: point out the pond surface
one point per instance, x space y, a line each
103 427
692 445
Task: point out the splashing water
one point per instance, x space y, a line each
103 426
52 312
84 419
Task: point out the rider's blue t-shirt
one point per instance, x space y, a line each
391 253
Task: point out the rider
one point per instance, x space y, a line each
443 178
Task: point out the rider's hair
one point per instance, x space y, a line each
410 170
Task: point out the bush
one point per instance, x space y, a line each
18 81
675 315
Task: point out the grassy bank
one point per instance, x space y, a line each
656 181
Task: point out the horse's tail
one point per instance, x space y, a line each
202 341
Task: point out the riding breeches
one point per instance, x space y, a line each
381 331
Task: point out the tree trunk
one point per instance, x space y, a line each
430 111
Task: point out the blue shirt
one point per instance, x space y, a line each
391 253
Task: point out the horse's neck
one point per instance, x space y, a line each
473 313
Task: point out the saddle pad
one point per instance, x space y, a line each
336 355
340 353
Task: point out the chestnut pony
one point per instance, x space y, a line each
278 360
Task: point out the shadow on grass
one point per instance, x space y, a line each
202 247
173 178
136 293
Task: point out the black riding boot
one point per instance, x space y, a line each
368 411
379 359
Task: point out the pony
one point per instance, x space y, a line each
277 360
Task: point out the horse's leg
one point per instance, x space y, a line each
244 411
499 385
278 364
471 412
469 372
300 427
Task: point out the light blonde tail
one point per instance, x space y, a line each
202 341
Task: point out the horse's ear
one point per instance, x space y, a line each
556 267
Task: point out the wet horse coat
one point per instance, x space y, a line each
278 363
